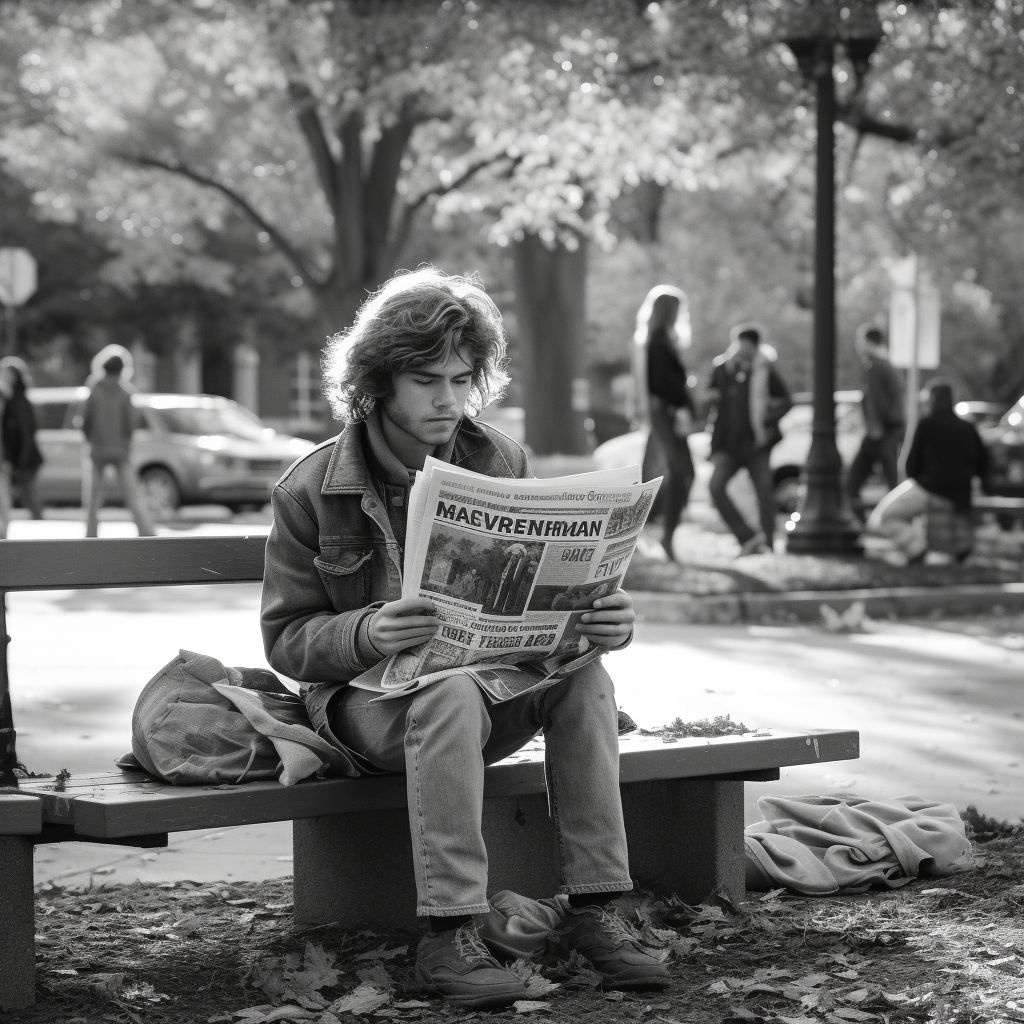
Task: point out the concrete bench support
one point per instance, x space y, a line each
17 938
20 820
355 870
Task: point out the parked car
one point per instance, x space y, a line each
1005 443
788 458
188 450
981 414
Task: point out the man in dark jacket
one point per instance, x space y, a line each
884 418
748 397
423 352
946 455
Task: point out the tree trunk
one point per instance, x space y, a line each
549 286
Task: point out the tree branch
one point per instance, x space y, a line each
236 199
310 126
412 208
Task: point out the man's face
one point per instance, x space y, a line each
747 350
426 406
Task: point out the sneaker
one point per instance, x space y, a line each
756 545
457 965
613 948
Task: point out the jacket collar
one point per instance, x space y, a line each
349 473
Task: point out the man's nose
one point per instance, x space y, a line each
445 397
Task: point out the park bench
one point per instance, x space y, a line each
351 849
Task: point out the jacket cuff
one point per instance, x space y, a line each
367 654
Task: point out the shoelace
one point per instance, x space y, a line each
469 945
618 928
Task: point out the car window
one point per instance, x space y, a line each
196 421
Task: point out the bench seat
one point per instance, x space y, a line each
119 805
683 804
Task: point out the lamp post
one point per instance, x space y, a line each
824 522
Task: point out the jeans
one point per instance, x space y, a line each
757 464
94 482
680 472
442 736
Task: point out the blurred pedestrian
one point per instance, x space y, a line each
946 455
18 428
748 397
108 421
884 416
663 332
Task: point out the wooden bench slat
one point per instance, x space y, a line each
130 562
120 804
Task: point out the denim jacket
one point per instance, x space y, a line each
332 556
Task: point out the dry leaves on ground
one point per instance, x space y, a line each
948 951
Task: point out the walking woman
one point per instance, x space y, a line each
663 332
21 454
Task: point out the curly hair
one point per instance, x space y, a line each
417 317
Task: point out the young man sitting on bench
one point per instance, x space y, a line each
424 351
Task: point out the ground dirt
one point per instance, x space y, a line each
947 950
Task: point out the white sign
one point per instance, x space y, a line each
17 276
914 316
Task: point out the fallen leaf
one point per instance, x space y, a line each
267 1014
364 998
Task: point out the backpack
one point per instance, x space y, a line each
197 722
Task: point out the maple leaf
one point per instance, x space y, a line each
319 964
364 998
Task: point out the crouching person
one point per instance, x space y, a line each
932 508
424 353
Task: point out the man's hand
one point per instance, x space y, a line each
402 624
609 623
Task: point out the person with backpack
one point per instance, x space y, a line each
425 354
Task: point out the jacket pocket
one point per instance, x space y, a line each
345 574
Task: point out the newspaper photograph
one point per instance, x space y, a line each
511 565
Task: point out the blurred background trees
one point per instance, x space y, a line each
216 173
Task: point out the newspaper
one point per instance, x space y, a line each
511 565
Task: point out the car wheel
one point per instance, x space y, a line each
160 490
787 492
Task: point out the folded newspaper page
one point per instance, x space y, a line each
511 566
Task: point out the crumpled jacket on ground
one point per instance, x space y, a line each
816 845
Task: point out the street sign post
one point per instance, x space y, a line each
915 314
18 281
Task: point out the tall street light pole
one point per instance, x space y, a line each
824 522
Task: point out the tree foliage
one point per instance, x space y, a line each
286 156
